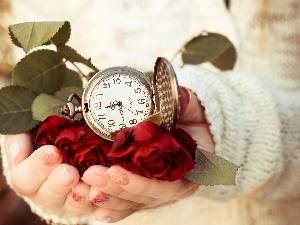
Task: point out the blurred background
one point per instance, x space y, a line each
6 54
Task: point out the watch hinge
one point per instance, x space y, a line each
86 107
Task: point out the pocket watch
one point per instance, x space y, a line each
120 97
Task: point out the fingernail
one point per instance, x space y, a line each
100 199
14 149
185 94
65 177
117 176
77 197
105 219
94 179
49 158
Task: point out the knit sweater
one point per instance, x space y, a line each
253 110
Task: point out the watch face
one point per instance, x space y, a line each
116 98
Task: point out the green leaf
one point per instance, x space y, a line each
13 38
114 134
226 60
210 47
155 118
42 71
73 56
63 34
90 75
29 35
72 78
212 170
46 105
149 74
15 110
64 93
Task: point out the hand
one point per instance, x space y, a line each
192 120
40 176
117 193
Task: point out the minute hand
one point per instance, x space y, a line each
121 104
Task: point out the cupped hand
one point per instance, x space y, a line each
192 119
117 193
41 177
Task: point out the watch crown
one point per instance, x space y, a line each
70 109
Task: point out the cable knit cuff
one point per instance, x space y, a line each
244 124
55 219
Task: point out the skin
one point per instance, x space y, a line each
111 193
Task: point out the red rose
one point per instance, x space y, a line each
185 140
147 150
79 145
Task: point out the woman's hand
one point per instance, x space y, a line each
117 193
40 176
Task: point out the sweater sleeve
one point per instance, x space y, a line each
244 123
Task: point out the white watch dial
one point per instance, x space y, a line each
117 99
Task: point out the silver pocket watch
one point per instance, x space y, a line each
120 97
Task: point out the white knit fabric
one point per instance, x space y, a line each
253 111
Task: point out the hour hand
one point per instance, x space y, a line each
111 105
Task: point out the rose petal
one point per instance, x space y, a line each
186 140
145 132
79 145
123 138
50 128
163 159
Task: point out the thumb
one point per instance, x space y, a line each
17 148
191 109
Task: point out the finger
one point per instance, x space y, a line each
152 188
191 109
77 202
53 192
201 133
97 176
111 215
17 148
28 176
101 199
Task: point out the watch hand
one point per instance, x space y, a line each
111 105
119 103
126 108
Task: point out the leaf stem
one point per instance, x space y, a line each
176 54
81 74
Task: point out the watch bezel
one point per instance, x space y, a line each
94 81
